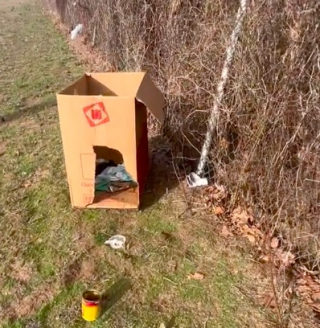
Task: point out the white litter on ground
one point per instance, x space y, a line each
76 31
193 180
116 242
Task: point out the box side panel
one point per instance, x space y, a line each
143 162
87 122
63 106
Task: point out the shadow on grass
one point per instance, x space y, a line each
171 323
28 111
162 177
111 296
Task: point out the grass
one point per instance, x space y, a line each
50 253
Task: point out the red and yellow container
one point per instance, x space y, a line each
91 303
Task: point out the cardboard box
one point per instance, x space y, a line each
104 116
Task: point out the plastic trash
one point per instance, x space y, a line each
116 242
193 180
76 31
113 178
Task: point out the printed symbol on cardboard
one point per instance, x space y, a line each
96 114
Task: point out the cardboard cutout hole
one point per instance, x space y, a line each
112 181
108 154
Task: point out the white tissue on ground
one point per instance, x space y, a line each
116 242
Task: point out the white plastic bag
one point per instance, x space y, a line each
77 30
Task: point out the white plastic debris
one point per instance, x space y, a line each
194 180
76 31
116 242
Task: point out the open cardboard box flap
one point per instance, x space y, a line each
100 111
138 85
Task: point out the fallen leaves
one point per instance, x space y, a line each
225 232
196 276
316 297
308 288
212 197
284 258
252 233
274 243
243 223
240 216
219 210
251 238
273 249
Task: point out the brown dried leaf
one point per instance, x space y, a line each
301 281
310 281
240 216
210 189
224 143
286 258
250 231
219 210
221 188
258 232
265 259
251 238
316 297
225 232
219 192
274 242
303 289
216 196
316 307
245 229
195 276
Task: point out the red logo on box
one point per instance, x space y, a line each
96 114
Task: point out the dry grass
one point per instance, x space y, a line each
266 149
50 253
